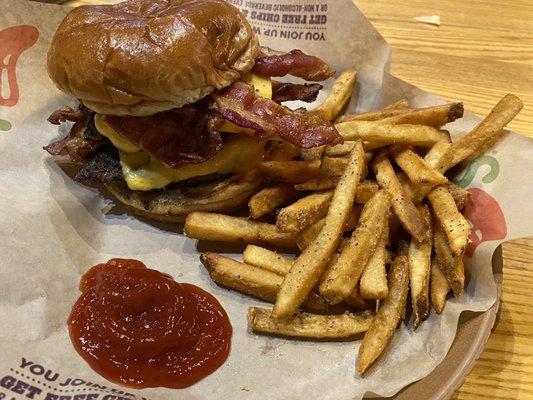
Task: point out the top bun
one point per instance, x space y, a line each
141 57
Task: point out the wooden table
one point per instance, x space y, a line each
482 50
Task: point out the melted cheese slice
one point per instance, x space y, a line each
141 172
119 141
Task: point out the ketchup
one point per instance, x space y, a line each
138 327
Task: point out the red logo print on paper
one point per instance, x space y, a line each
486 217
13 42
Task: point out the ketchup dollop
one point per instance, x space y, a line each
138 327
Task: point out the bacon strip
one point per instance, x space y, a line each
282 91
177 137
295 63
67 114
239 104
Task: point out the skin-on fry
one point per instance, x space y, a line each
403 207
397 105
267 200
339 96
332 166
390 312
419 256
343 274
224 228
322 183
282 151
290 171
307 325
418 170
371 115
451 266
375 131
454 225
436 116
304 212
439 288
267 259
257 282
460 195
308 236
342 149
311 264
373 284
487 132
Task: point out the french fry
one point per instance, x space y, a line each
451 266
332 166
314 153
454 225
267 259
397 105
290 171
311 264
371 115
365 191
486 133
305 325
460 195
419 256
375 131
321 183
339 96
304 212
418 170
268 199
357 301
308 236
403 207
389 314
342 149
439 287
282 151
435 116
342 276
373 284
224 228
257 282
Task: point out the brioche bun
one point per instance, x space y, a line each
141 57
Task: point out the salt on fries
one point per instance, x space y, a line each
320 196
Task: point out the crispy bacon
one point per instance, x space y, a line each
75 144
283 91
295 63
239 104
177 137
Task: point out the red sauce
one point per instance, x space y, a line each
140 328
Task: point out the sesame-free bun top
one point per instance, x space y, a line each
140 57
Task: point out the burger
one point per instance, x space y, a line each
177 103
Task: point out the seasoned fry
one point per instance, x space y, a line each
451 266
373 284
332 166
267 200
397 105
454 225
390 312
342 149
419 256
460 195
311 264
314 153
322 183
436 116
224 228
403 207
357 301
307 325
365 190
371 115
486 133
308 236
267 259
282 151
418 170
304 212
339 96
257 282
290 171
375 131
342 276
439 287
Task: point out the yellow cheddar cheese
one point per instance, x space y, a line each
119 141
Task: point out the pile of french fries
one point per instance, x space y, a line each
375 221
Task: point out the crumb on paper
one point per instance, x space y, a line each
245 389
429 19
267 348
